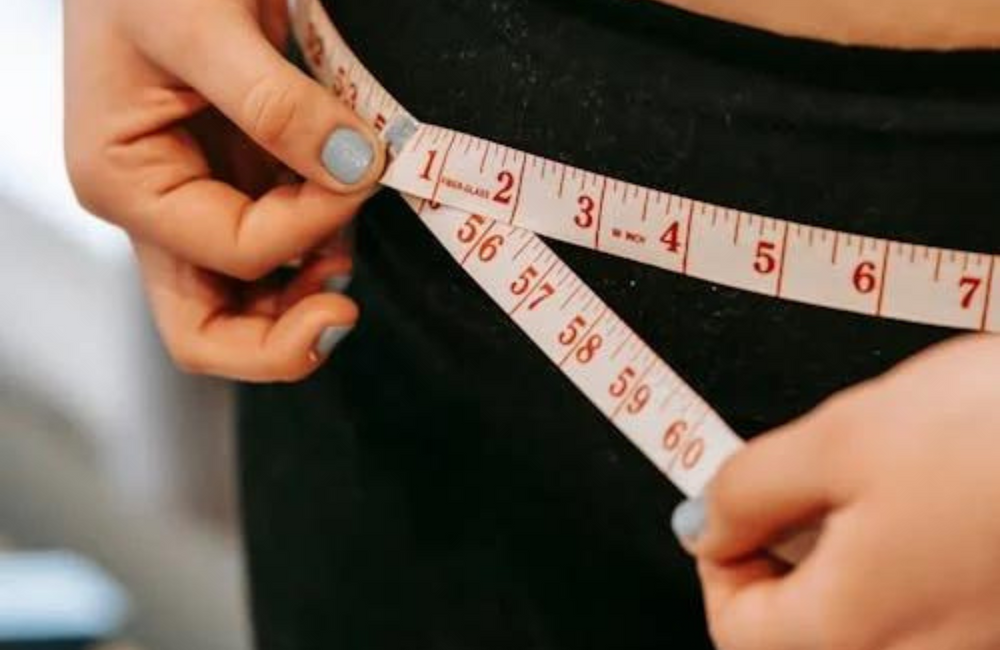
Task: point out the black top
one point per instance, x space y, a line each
439 485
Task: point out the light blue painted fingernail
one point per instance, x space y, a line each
348 155
689 519
337 283
330 338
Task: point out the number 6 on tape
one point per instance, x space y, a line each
487 204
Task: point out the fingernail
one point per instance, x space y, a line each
337 283
689 519
330 338
348 155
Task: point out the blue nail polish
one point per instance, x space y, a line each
337 283
347 155
330 338
689 519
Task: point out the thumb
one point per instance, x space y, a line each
220 50
776 485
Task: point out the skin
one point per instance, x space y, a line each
182 118
902 473
183 125
907 24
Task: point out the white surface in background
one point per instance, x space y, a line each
75 330
31 159
76 337
57 595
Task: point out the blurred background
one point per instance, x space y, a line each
118 524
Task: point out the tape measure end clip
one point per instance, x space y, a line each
399 131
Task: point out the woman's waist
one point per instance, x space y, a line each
758 360
903 165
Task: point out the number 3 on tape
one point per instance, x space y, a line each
487 204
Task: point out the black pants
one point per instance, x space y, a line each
439 485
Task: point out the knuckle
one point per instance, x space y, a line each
292 372
270 109
84 167
835 615
728 629
284 368
834 629
726 486
722 634
187 357
249 257
246 267
837 416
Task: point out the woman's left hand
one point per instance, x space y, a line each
904 474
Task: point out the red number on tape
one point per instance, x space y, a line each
674 434
765 262
639 399
426 173
569 335
314 47
864 278
545 292
585 217
671 237
693 451
520 286
585 353
506 191
469 230
344 88
970 285
621 384
489 248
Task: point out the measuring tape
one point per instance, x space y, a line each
488 204
774 257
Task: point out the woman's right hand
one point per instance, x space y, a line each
181 118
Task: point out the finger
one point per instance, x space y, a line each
234 158
173 202
750 605
215 226
206 333
775 485
220 49
324 274
342 243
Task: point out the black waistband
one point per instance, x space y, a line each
894 144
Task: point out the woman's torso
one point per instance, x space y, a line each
907 24
439 484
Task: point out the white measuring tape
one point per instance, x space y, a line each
486 203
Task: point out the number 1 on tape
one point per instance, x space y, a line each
487 204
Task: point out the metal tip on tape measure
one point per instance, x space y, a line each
399 131
487 204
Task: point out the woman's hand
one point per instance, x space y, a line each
181 118
904 472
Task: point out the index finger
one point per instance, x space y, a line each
220 49
207 332
752 605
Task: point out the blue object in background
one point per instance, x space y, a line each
48 597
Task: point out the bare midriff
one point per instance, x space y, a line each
906 24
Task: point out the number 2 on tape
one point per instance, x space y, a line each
487 204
